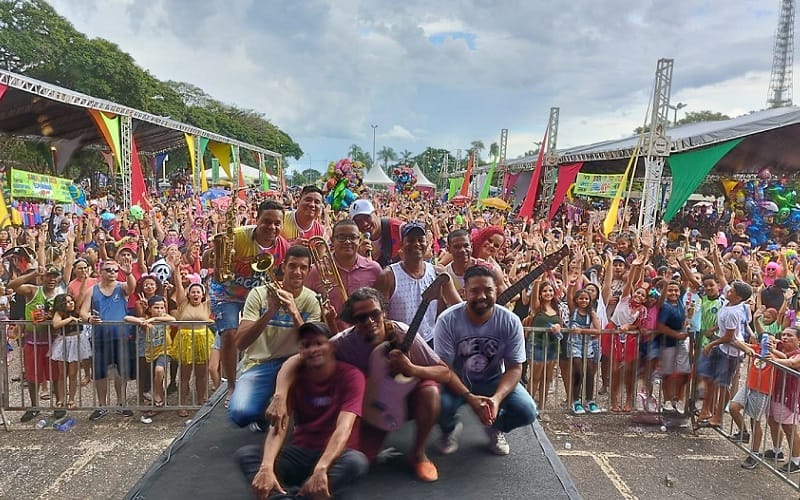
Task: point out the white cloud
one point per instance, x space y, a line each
324 70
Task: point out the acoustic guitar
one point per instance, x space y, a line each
385 400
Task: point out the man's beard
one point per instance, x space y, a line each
481 307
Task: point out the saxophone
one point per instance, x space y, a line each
223 244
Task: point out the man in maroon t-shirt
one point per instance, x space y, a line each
326 399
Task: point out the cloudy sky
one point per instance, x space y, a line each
446 73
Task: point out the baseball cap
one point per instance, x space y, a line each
407 228
361 207
130 247
51 269
314 328
619 258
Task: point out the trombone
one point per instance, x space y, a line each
262 265
329 277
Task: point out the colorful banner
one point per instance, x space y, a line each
138 186
223 154
3 89
455 185
688 171
488 182
599 185
613 210
566 177
526 211
467 178
30 185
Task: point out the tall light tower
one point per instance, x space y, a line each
373 143
780 81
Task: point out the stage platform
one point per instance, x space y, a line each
199 464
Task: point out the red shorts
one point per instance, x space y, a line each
626 351
371 438
37 364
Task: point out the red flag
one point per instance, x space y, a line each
3 89
138 186
465 184
242 193
526 212
566 176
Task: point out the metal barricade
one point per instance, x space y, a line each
75 368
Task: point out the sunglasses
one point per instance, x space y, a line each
110 270
374 316
347 237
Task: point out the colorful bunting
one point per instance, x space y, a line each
526 212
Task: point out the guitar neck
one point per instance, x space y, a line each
514 290
419 315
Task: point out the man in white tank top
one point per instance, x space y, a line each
460 248
403 283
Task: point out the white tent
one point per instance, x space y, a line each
251 174
422 181
377 177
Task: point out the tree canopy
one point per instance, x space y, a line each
36 41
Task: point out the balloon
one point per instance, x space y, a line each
749 187
108 216
769 206
783 213
136 212
749 204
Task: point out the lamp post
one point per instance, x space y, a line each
373 143
675 108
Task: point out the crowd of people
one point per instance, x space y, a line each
676 306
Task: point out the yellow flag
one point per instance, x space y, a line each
728 185
5 218
613 210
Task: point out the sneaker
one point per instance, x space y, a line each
124 412
771 455
98 414
146 419
497 442
740 437
651 405
679 407
256 427
751 461
29 415
593 408
667 407
448 443
577 408
790 468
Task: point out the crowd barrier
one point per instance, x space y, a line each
608 367
110 365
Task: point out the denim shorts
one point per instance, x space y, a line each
226 315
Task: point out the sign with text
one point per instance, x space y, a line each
30 185
600 185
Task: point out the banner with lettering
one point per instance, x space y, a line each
29 185
600 185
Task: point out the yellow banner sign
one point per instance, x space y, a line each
29 185
600 185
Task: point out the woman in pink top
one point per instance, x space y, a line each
83 281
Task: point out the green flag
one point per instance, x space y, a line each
455 185
688 171
488 182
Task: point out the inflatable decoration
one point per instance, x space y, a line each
344 183
771 206
404 181
78 195
136 212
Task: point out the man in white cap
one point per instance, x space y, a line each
384 233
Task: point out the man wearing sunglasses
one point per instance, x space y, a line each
112 344
365 309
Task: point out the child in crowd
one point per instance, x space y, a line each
69 347
583 323
784 410
152 338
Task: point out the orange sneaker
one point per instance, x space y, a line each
426 471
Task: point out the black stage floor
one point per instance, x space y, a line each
199 464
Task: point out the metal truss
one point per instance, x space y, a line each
550 161
126 154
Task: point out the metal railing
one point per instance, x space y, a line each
623 372
163 367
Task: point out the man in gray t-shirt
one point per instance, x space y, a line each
484 345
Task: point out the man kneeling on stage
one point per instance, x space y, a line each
326 399
476 338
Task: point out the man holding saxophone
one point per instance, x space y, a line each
268 335
233 277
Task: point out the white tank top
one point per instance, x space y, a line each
407 297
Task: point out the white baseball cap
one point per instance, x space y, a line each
361 207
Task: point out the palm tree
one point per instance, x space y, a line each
387 154
494 149
358 154
477 147
405 156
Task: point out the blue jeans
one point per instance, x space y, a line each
254 388
295 465
516 410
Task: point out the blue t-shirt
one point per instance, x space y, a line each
476 353
673 316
